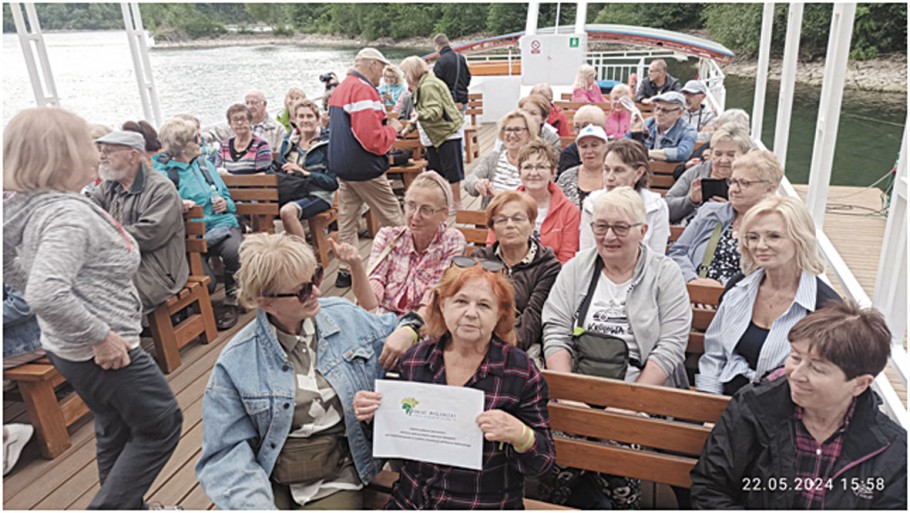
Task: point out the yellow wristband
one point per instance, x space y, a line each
416 335
527 440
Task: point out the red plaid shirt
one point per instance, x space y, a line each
511 383
815 461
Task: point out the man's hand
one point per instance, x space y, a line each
112 353
395 124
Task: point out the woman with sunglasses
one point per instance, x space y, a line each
618 310
407 261
708 251
498 170
472 344
278 429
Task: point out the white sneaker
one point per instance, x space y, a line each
17 435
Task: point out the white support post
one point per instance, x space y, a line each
581 13
135 33
829 110
787 83
533 13
761 72
46 91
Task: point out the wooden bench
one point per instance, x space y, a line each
255 196
170 339
319 231
38 382
471 138
415 165
473 225
704 299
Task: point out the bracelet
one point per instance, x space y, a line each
416 334
527 439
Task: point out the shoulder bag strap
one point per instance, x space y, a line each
710 250
586 302
385 252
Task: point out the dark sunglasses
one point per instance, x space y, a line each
466 262
303 295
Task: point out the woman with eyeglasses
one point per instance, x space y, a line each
778 286
579 181
472 344
708 251
618 310
278 428
498 170
245 153
626 165
407 261
392 85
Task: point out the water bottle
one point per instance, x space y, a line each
214 196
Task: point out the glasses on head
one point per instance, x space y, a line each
303 295
659 110
517 219
743 184
108 150
466 262
579 126
515 130
620 229
424 210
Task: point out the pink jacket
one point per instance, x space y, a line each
618 123
591 95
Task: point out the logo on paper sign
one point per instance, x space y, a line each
535 46
573 42
408 404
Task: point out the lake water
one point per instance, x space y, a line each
94 76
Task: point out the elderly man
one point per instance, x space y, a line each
556 118
452 68
666 135
359 139
697 115
584 116
263 125
148 206
657 82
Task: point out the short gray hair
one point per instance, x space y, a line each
176 134
732 116
624 200
735 133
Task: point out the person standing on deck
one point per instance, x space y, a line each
359 139
452 68
657 82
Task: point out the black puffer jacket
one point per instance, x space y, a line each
753 447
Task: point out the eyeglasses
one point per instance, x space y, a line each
517 219
303 295
743 184
514 130
424 210
578 127
660 110
620 229
541 168
465 262
252 102
108 150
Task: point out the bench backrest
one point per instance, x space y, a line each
473 225
475 106
669 434
705 299
195 243
256 196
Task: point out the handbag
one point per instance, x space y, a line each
216 235
306 460
599 355
291 186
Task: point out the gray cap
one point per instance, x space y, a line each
123 138
695 87
671 97
371 53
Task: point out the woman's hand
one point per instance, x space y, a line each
637 124
346 253
292 167
499 426
693 162
187 205
365 405
695 191
112 353
484 187
398 342
219 206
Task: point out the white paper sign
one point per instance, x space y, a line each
431 423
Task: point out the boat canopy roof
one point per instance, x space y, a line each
623 34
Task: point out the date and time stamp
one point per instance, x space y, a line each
809 484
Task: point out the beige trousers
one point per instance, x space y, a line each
377 194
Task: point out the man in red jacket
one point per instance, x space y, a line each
359 140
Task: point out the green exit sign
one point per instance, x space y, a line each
573 42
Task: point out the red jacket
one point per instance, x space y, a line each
559 121
560 228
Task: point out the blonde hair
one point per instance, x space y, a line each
765 164
620 90
270 261
585 72
400 73
295 91
734 133
799 227
624 200
175 134
431 180
97 131
413 68
304 103
187 117
43 148
539 102
531 125
597 115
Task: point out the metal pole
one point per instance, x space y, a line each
28 34
829 110
581 13
533 13
761 74
135 34
556 25
787 83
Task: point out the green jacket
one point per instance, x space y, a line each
436 110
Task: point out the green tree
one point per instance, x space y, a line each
273 15
670 16
458 20
506 18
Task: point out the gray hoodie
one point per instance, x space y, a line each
76 266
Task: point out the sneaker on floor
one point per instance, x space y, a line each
343 280
227 318
17 435
158 506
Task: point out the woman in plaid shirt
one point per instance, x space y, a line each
472 343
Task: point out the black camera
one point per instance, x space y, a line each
328 77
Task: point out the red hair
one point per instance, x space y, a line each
453 281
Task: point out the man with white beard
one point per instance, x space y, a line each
148 206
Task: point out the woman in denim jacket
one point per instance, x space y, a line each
278 430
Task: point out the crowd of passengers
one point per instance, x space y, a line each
577 276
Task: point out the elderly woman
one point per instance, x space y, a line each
278 430
199 184
531 266
286 117
439 121
305 151
586 88
76 266
407 261
555 220
683 199
579 181
748 336
148 132
245 153
538 108
707 251
626 165
470 324
392 85
814 438
498 170
620 118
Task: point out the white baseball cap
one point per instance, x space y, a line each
592 131
371 53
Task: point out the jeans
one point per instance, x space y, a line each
137 425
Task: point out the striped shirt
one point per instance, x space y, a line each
506 177
257 157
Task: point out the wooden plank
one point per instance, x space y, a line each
701 318
257 209
255 180
622 461
477 218
254 195
196 500
705 294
